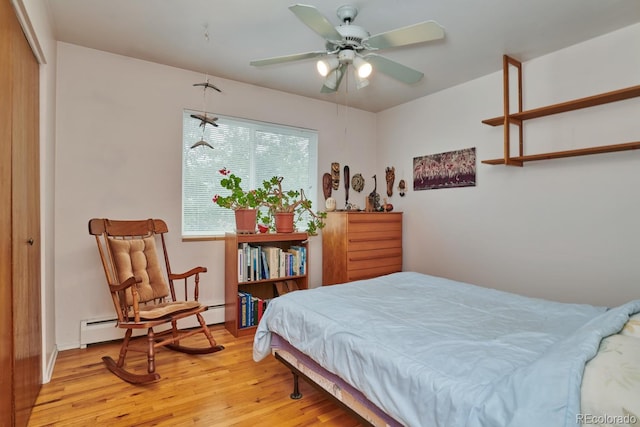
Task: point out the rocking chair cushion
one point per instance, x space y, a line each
137 257
156 311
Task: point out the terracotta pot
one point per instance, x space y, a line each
246 221
284 222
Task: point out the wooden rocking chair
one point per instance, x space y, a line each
141 296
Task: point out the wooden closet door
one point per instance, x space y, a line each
27 336
23 162
6 322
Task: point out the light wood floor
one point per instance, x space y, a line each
222 389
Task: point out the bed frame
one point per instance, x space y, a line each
345 395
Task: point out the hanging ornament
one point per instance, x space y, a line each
204 119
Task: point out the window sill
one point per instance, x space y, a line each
202 238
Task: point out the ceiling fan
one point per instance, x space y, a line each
349 44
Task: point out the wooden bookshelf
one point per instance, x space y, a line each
264 288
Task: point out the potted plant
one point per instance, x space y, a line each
286 207
242 202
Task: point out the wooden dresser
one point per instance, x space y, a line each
360 245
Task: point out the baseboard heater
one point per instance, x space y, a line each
104 329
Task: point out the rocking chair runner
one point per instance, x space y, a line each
140 292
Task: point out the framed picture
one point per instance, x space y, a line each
445 170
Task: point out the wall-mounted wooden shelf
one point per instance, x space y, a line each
569 153
590 101
519 117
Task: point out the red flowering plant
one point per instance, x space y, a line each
238 198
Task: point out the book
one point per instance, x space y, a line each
302 258
255 301
245 262
261 306
295 261
273 260
249 310
281 288
286 286
242 310
240 265
292 285
282 267
265 265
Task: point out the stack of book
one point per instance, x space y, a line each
251 308
270 262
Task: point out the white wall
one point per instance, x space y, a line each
563 229
118 155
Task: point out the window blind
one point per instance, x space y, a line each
254 151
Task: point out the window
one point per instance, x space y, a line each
254 151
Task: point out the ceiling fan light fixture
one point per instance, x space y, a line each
361 82
327 65
333 79
363 68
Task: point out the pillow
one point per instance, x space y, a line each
611 384
138 257
632 327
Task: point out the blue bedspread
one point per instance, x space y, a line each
435 352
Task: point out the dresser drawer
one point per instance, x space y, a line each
364 241
358 260
372 272
375 223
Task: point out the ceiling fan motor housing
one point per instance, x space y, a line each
352 35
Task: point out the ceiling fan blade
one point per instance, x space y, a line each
394 69
313 19
340 72
417 33
287 58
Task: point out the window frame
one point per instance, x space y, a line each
214 136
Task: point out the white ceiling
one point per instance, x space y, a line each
477 34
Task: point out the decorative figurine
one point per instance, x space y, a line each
357 182
346 186
335 175
390 174
330 204
373 201
326 185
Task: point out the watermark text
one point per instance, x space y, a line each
606 419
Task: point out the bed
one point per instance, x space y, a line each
418 350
